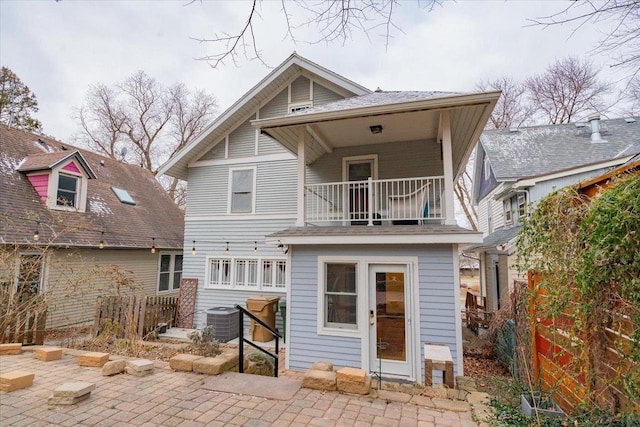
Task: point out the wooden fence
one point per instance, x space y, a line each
138 314
23 325
559 362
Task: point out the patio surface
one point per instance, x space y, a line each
171 398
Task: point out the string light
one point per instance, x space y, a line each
153 245
193 249
101 244
36 236
226 252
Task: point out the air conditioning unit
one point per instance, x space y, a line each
224 321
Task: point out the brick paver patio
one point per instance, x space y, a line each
170 398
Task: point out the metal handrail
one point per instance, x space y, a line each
243 340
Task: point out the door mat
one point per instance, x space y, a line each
253 385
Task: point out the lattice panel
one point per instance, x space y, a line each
186 303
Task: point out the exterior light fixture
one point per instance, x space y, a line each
376 129
226 251
255 247
193 249
101 244
153 245
36 236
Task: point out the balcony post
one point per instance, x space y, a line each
300 220
370 201
447 160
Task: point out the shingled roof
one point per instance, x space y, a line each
22 211
540 150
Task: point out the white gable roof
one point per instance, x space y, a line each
247 105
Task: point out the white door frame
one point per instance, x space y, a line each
412 295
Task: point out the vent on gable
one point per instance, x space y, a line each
123 196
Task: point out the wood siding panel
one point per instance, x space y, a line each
277 107
436 302
322 95
216 153
300 89
41 185
242 141
276 183
208 190
81 273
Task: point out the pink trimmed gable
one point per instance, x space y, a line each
71 167
41 185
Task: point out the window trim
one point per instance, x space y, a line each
253 170
334 329
274 288
172 264
81 189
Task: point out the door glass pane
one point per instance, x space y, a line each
390 314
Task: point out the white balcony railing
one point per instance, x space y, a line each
374 202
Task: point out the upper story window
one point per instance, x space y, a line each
67 194
242 190
522 205
508 213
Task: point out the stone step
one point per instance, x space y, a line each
47 354
71 393
16 380
139 367
10 349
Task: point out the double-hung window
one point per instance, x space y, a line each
340 299
508 214
247 273
170 272
67 191
242 190
522 205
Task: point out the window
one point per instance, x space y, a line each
67 191
170 272
247 273
508 217
340 297
29 277
522 205
242 184
123 196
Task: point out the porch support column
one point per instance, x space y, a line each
447 161
301 178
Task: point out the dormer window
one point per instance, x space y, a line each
67 191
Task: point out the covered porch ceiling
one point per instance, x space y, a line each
326 130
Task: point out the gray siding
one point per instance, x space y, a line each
242 141
436 303
322 95
300 89
275 108
275 188
216 153
393 161
541 189
211 238
75 278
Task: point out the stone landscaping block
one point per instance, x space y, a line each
322 366
354 387
394 396
351 374
47 354
71 393
113 367
451 405
319 380
94 359
478 398
55 400
183 362
16 380
216 365
10 349
139 367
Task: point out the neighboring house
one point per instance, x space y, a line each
65 211
339 199
516 168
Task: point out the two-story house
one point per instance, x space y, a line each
515 168
339 199
72 223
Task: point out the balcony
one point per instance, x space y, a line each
376 202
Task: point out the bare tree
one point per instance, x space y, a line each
464 195
334 20
150 120
622 42
511 110
567 88
632 94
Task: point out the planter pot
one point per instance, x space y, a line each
542 405
162 328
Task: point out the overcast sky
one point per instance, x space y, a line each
60 48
